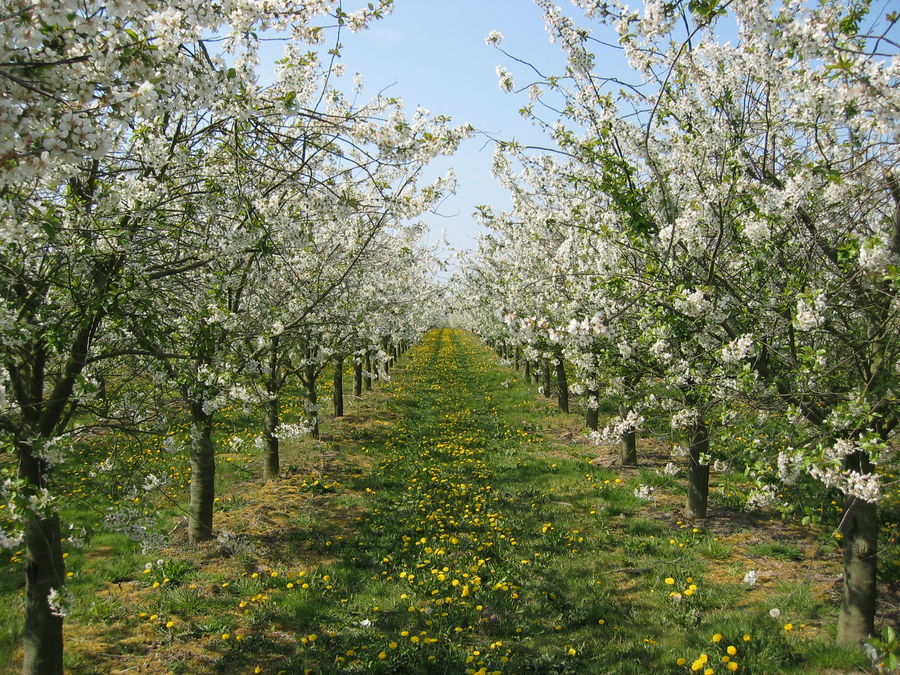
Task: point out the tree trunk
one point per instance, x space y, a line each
562 384
357 378
545 377
628 441
698 478
312 400
368 372
860 532
338 395
527 370
203 476
272 412
271 461
592 415
629 448
44 570
517 356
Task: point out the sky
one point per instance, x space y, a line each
432 53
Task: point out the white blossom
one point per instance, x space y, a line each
505 78
494 38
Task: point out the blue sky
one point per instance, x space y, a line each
431 53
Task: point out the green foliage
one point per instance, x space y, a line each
887 650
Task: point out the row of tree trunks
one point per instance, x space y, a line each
539 373
859 526
272 408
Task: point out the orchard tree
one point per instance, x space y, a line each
81 84
720 154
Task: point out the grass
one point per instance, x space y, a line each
776 549
443 526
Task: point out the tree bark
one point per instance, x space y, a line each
338 395
629 448
527 370
272 412
628 444
860 539
271 457
386 348
562 384
517 356
203 476
545 377
592 415
357 378
312 399
44 570
368 373
698 477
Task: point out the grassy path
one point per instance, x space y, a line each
446 532
485 548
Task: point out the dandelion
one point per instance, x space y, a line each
774 612
717 637
670 581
